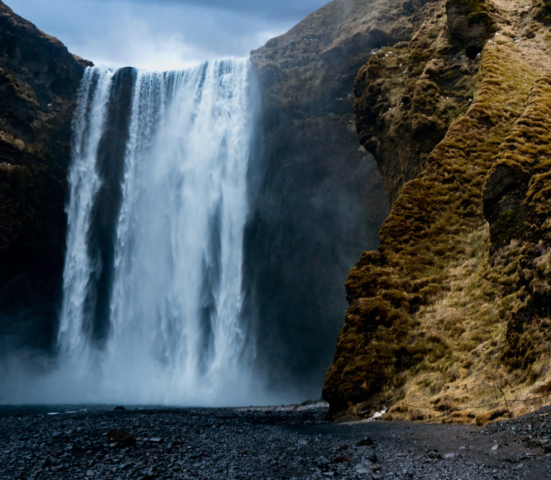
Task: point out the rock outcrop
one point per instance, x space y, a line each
39 80
319 200
449 318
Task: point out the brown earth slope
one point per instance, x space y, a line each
39 80
449 319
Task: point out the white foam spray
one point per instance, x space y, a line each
176 334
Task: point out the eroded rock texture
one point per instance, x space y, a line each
39 80
450 316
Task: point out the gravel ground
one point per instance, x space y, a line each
275 443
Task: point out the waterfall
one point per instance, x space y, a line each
88 126
152 283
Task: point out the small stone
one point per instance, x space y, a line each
449 455
122 438
89 474
533 444
340 459
120 409
366 442
362 469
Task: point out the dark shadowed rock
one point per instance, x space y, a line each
504 207
317 196
366 442
471 23
122 438
39 80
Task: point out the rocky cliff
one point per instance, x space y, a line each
39 80
318 199
449 319
440 107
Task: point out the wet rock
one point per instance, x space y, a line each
533 443
155 440
121 438
363 469
39 82
504 196
340 459
306 79
366 442
434 454
272 451
372 457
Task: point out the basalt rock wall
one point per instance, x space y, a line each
39 80
318 198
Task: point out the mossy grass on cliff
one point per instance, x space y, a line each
409 94
431 327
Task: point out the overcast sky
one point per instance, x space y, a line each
163 34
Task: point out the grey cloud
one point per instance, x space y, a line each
288 9
163 34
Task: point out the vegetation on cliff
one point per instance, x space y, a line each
449 319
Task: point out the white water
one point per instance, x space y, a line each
180 238
176 334
88 127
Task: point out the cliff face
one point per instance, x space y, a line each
408 95
319 200
39 80
450 316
